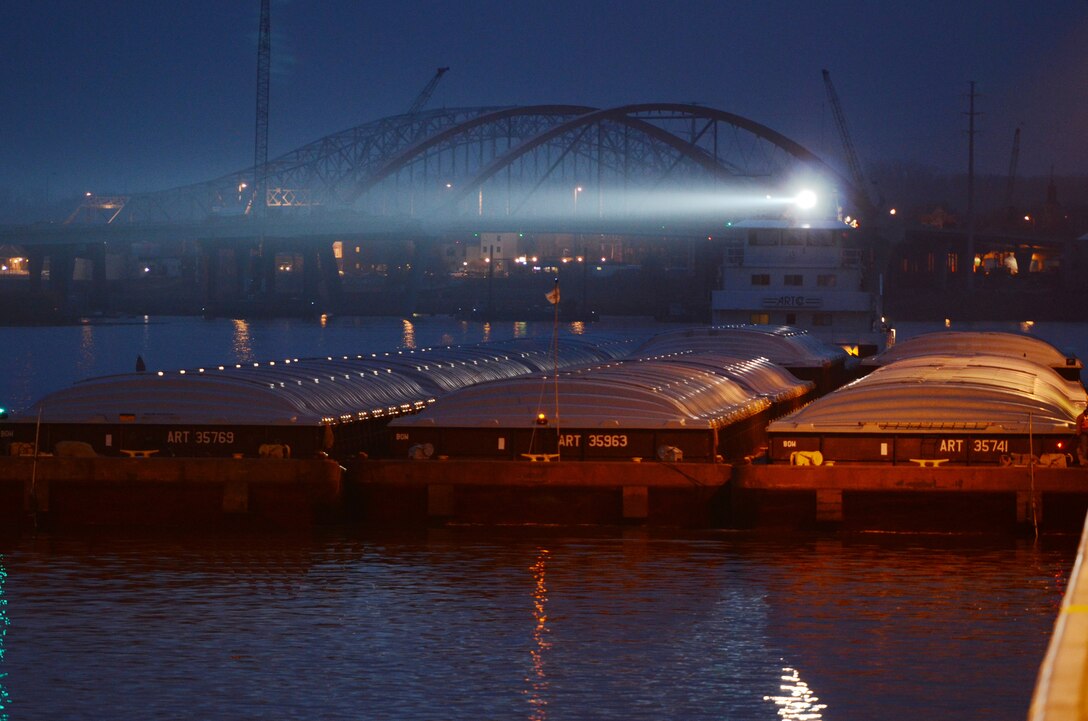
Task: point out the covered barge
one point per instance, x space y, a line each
695 407
293 407
929 410
958 342
798 351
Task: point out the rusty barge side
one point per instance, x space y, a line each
153 492
398 493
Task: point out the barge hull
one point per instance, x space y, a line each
159 491
496 492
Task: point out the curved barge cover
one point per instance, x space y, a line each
941 393
958 342
783 345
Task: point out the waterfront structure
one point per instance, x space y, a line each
399 193
819 275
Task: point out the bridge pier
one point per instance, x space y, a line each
250 274
330 274
35 266
99 297
61 266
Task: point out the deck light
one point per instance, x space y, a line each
541 419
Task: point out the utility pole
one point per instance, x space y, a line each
971 188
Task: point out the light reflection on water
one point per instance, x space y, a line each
538 682
801 704
242 348
86 349
409 339
4 716
526 623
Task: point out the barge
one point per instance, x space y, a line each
1015 345
798 351
337 406
931 410
698 407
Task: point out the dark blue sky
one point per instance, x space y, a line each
124 96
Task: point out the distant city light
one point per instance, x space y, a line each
891 212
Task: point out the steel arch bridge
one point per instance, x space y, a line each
545 161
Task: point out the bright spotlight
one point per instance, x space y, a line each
805 200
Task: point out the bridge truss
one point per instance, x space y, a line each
561 161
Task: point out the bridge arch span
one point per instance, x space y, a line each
514 161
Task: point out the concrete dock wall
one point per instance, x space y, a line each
1061 690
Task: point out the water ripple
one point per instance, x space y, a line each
469 624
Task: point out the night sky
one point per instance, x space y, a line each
127 96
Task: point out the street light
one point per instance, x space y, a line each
577 190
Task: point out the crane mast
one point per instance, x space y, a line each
260 145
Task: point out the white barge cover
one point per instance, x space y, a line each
310 391
1004 343
786 346
997 394
642 394
759 375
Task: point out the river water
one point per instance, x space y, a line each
496 623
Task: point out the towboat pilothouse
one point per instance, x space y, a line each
817 275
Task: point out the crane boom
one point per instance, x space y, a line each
844 133
425 94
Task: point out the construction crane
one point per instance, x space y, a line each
1014 159
260 145
425 94
848 145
